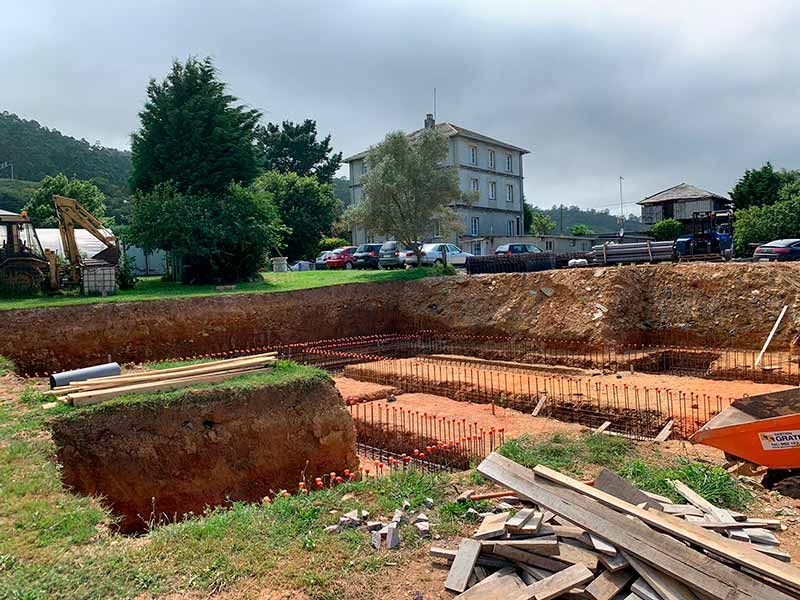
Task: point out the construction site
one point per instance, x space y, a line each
238 398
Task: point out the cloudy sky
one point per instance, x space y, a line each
658 92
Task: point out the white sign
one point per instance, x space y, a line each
779 440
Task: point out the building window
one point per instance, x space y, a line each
475 226
509 193
491 159
548 245
437 232
492 190
473 155
474 185
509 163
476 248
364 168
519 226
510 228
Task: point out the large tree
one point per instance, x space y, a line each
193 133
222 237
542 224
294 148
40 207
408 189
760 187
305 206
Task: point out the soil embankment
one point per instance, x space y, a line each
153 462
703 304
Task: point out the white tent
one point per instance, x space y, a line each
88 245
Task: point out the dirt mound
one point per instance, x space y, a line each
708 304
206 448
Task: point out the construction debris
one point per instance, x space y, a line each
612 541
100 389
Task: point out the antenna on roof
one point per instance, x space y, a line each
434 104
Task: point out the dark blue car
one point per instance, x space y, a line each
779 250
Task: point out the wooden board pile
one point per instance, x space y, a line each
559 538
100 389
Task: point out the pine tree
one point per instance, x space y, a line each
193 133
293 148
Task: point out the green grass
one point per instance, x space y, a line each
712 482
153 288
568 453
54 544
6 366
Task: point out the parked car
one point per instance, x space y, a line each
432 254
319 262
366 256
788 249
392 255
341 258
508 249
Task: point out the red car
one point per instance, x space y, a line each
341 258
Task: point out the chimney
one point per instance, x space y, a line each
429 121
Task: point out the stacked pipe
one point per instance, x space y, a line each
614 254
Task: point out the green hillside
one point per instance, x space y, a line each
599 221
14 193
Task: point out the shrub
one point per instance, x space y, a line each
666 230
329 243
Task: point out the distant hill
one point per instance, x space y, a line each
37 151
599 221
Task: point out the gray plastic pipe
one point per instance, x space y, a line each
67 377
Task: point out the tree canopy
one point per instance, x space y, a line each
542 224
41 209
294 148
599 221
407 189
224 236
580 229
306 206
666 229
38 151
761 187
193 133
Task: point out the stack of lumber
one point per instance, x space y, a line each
99 389
556 537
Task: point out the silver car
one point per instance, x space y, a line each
432 255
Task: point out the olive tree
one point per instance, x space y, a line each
408 189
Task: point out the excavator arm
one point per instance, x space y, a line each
70 214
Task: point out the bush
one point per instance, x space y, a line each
219 237
666 230
759 224
126 273
440 270
329 243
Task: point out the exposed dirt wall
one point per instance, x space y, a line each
211 446
52 339
705 304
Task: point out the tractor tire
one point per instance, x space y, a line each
21 279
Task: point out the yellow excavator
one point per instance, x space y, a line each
26 268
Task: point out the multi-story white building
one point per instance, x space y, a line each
488 168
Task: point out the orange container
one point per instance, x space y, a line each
763 429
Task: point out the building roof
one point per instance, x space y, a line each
450 130
7 213
683 191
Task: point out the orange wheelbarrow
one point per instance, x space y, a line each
763 430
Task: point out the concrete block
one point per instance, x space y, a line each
392 537
332 529
423 528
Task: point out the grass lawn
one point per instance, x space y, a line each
54 544
152 288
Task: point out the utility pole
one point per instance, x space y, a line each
621 211
561 219
434 104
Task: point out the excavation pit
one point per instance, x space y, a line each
157 458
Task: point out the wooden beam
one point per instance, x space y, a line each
497 586
607 585
665 586
771 334
670 555
464 562
731 550
665 432
556 584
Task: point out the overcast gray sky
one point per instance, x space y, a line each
658 92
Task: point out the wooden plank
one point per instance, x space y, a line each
643 590
497 586
720 514
539 404
464 562
556 584
601 545
614 563
608 584
758 535
613 484
575 555
493 526
665 432
94 397
771 334
546 547
568 531
682 510
664 585
603 427
773 552
657 497
490 495
741 554
672 556
519 519
465 495
524 557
